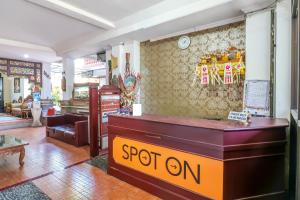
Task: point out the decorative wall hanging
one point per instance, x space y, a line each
228 79
204 75
229 64
30 70
128 85
17 85
47 75
63 82
214 73
114 62
109 73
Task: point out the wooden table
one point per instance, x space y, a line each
25 113
10 145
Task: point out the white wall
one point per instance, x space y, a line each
283 60
258 38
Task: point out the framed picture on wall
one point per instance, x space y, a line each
17 85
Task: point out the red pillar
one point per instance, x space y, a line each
93 97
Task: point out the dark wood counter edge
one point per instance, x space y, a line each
258 123
229 148
223 147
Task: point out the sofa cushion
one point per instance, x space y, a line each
65 128
59 134
16 109
16 105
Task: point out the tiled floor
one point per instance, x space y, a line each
87 182
43 155
80 181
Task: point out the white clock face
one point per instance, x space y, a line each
184 42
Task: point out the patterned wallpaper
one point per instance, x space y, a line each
168 73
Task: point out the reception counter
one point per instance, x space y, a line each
187 158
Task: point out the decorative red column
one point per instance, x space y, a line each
93 98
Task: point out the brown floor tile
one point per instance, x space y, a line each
84 181
43 155
81 181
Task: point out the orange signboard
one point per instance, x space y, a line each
192 172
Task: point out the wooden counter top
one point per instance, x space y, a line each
224 125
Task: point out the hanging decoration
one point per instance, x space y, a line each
214 73
129 85
228 79
238 68
47 75
114 62
204 75
225 67
63 82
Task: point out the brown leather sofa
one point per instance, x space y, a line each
69 128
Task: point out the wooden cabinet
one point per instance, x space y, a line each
109 103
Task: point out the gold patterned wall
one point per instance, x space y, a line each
168 73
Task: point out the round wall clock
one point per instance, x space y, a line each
184 42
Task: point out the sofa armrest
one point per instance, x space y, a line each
55 120
81 132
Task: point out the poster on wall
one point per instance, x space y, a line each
17 87
257 97
228 77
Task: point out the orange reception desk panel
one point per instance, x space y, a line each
184 158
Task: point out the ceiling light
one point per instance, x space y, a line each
26 56
81 12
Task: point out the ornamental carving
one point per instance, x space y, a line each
21 63
3 62
3 68
31 70
21 71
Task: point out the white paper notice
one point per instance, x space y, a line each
257 97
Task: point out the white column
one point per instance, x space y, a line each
283 59
68 67
46 88
258 42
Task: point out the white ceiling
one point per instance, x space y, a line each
43 29
113 10
26 22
